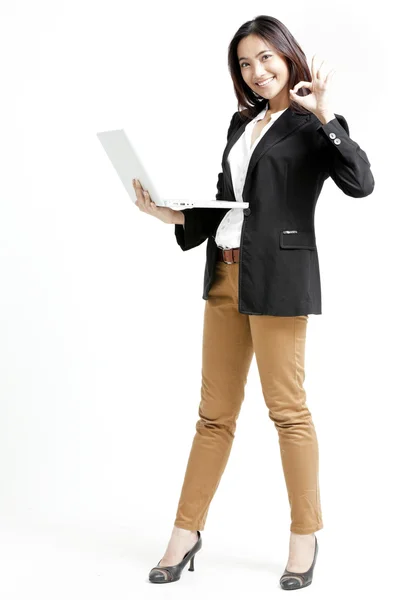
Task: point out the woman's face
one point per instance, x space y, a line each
259 61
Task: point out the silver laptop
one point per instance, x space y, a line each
128 165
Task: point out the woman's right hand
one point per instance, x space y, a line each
145 204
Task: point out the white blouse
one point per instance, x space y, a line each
230 229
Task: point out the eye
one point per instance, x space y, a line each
264 56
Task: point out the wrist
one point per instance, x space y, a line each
325 117
179 218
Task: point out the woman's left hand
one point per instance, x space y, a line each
318 102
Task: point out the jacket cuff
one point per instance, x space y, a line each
337 136
332 125
344 160
190 236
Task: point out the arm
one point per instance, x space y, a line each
343 159
200 223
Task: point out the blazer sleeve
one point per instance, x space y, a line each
344 160
200 223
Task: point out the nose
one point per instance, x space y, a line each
259 73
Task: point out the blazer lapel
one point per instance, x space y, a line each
285 125
225 165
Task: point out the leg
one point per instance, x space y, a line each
227 354
279 345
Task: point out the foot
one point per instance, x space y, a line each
301 552
182 540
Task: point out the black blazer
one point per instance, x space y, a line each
278 262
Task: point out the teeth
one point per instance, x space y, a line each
266 82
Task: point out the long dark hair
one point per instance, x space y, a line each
278 35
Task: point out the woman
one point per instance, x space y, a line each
262 278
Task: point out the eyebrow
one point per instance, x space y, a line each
245 57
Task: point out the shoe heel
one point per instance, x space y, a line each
191 568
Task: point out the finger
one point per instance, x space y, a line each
153 205
139 204
138 190
146 196
306 84
144 202
296 98
146 199
316 68
313 67
320 71
331 73
324 73
139 195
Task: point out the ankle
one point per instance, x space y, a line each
179 532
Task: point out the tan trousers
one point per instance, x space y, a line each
229 341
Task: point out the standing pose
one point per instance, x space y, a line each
262 278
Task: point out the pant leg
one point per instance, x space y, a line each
279 346
226 358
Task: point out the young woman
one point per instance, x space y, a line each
262 278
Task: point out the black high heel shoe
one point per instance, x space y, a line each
294 581
173 573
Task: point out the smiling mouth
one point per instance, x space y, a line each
266 82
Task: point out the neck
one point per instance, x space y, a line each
277 104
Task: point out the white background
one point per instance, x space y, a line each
101 312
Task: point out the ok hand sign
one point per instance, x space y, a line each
319 101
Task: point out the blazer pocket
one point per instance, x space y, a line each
292 238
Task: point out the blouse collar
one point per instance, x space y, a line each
273 115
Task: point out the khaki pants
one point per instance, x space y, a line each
229 341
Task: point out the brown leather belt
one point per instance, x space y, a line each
229 256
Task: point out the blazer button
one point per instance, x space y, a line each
332 135
247 211
337 141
